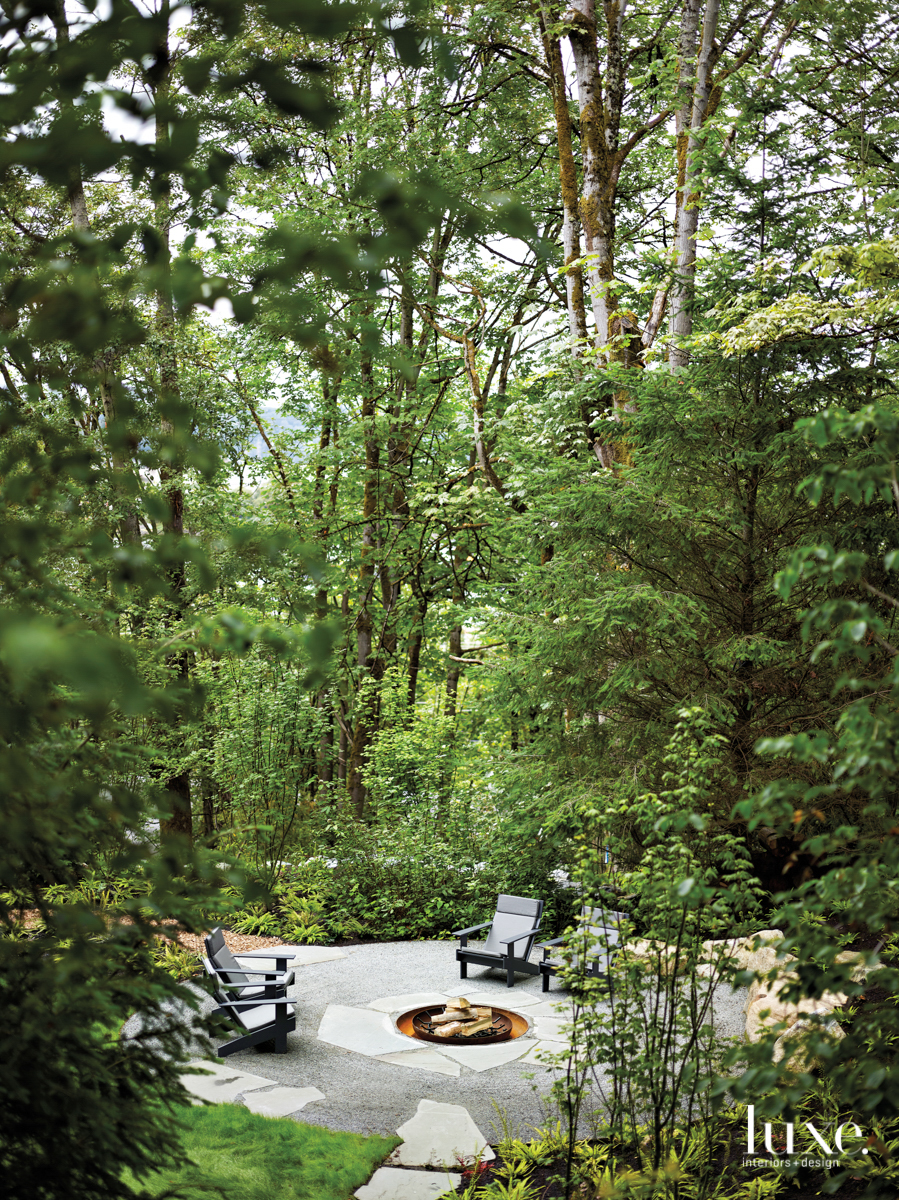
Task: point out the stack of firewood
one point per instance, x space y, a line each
460 1018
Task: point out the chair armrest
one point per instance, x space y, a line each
280 960
265 974
275 953
258 1002
462 934
283 981
545 946
520 936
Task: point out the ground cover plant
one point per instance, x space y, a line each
609 1168
238 1155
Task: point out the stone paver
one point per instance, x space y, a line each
223 1085
281 1101
396 1004
440 1135
549 1029
423 1060
361 1029
509 999
484 1058
560 1009
538 1048
304 956
392 1183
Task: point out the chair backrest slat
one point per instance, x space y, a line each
514 914
223 960
604 925
221 995
521 906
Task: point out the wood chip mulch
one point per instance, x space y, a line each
237 943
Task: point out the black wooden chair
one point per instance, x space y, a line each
596 948
266 1017
513 929
235 974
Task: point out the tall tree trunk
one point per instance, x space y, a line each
689 147
571 222
598 146
365 707
453 671
171 475
325 753
343 709
416 641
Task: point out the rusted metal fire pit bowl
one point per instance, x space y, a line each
506 1026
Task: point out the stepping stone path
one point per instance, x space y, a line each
281 1101
438 1136
223 1085
389 1183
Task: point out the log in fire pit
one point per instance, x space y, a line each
458 1023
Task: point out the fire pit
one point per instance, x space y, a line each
454 1025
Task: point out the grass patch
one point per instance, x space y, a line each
248 1157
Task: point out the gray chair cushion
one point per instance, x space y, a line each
603 926
521 906
255 1018
229 969
506 925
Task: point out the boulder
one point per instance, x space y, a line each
789 1045
767 1009
756 952
860 969
655 956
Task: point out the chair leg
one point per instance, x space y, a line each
281 1023
545 975
463 969
510 972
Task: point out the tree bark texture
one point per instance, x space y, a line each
365 725
571 222
599 142
171 475
691 117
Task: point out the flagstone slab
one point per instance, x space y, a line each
363 1030
223 1085
303 956
392 1004
550 1029
533 1056
393 1183
281 1101
503 999
483 1058
440 1135
423 1060
560 1010
213 1067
